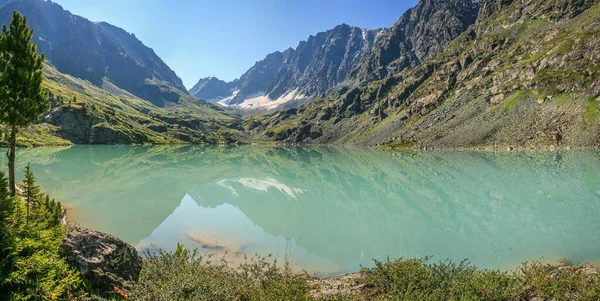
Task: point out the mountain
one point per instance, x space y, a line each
295 76
106 87
527 74
421 33
212 89
349 55
97 51
321 62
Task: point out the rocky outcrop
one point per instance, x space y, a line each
488 7
84 125
104 260
552 9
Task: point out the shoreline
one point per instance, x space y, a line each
415 147
352 285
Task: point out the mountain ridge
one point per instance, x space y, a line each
346 55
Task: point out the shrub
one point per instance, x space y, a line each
415 279
185 275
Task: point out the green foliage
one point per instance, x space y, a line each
32 193
30 266
518 97
184 275
22 98
415 279
591 114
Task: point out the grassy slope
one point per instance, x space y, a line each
99 116
526 76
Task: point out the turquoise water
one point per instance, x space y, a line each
329 210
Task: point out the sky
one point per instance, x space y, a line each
224 38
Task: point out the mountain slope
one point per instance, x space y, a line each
527 74
97 52
82 113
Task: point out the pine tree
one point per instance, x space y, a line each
7 206
22 98
31 192
47 202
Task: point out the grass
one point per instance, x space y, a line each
590 116
518 97
40 135
398 144
536 57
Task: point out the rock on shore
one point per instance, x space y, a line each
102 259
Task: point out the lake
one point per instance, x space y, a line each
330 210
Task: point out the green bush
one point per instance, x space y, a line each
415 279
184 275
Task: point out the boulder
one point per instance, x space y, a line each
104 260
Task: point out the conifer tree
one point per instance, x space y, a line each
31 192
22 98
7 206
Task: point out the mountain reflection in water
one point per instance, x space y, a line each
331 209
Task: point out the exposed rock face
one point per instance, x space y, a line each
103 259
95 51
258 78
553 9
488 7
421 33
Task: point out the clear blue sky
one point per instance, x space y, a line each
224 38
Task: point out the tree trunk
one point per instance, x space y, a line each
11 161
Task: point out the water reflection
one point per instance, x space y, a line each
334 209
